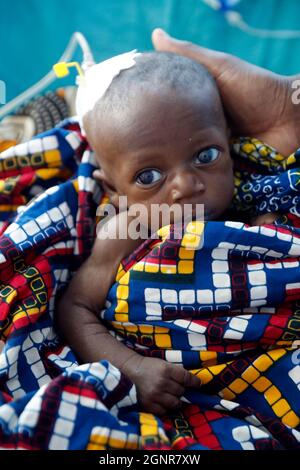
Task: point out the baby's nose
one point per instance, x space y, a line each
186 185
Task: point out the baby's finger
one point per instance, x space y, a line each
193 381
157 409
174 388
183 376
168 401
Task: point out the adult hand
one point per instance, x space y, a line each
257 101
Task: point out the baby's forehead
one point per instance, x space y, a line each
154 136
155 99
151 112
149 72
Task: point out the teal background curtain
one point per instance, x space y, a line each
34 33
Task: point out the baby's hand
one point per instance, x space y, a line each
264 219
159 384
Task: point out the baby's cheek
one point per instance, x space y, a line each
228 177
225 173
223 189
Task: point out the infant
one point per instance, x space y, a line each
160 136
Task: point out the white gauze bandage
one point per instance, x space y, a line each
97 79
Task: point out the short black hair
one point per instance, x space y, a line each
155 69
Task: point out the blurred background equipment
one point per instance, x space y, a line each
38 115
33 114
235 18
77 39
223 5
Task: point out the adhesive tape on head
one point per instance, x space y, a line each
97 79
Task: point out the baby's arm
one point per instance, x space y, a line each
159 383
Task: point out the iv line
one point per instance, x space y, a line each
236 19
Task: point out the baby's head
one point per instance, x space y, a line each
160 136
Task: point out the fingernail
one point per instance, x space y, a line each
162 32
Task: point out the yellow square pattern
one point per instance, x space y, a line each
238 386
122 307
263 362
291 419
185 267
262 384
281 407
272 395
122 317
250 374
186 254
163 341
151 267
122 292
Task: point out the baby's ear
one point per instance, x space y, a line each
100 177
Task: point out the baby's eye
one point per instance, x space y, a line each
206 156
148 177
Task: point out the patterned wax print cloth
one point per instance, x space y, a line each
223 300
